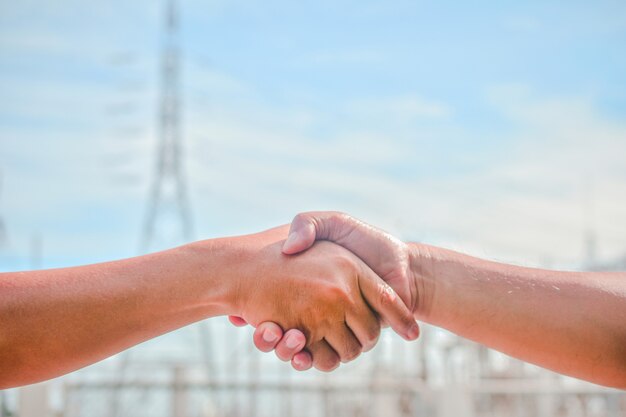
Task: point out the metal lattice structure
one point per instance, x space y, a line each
168 216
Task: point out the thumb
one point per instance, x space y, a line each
302 234
306 228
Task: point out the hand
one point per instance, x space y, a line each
385 254
319 292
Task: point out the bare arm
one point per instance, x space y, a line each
571 322
56 321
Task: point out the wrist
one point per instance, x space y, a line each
423 261
217 266
440 276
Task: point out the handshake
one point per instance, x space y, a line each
317 292
332 281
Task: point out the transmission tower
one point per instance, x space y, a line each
168 218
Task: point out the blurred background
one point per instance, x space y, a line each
497 129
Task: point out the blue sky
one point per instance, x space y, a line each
497 129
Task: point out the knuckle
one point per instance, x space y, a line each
336 294
325 361
344 262
373 335
352 303
352 352
327 365
409 321
386 294
338 217
406 318
299 218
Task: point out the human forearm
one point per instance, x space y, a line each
573 323
56 321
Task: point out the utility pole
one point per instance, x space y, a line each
168 218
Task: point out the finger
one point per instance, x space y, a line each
364 324
292 342
302 235
386 303
306 228
266 336
302 361
383 323
324 357
384 253
237 321
345 343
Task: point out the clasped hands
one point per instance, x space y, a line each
317 292
331 282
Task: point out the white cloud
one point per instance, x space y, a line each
252 165
252 162
525 205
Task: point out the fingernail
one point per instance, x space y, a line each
269 336
291 239
297 361
413 332
292 342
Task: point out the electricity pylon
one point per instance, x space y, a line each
168 218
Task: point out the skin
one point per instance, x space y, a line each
56 321
571 322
